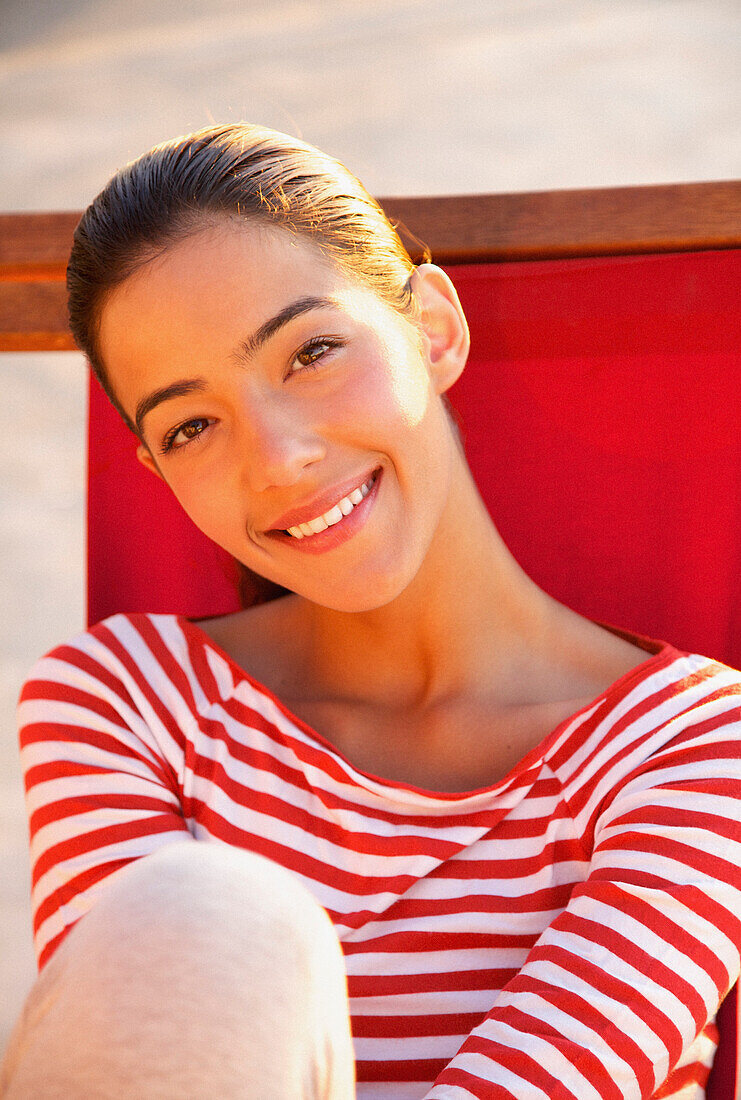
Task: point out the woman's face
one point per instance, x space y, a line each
294 414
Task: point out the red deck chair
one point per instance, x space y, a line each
600 415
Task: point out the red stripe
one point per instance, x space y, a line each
87 843
695 1074
416 1027
418 941
73 735
668 930
84 804
516 1061
544 901
615 695
615 988
458 1078
95 673
51 947
579 798
714 824
642 961
73 695
390 985
152 697
568 850
423 1070
584 1060
708 864
260 799
688 894
74 886
583 1011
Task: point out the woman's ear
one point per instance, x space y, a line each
146 458
443 324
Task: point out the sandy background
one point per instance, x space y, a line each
416 96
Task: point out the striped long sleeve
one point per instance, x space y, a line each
567 932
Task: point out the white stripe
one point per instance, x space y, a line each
340 858
83 901
426 1003
647 940
407 1048
396 1090
81 825
621 1013
466 922
485 1070
137 736
400 963
352 819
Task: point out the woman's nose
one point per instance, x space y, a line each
279 443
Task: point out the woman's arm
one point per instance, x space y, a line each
620 991
102 757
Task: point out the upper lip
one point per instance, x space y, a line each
321 503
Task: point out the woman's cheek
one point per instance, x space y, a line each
208 501
386 397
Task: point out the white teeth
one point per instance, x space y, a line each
334 515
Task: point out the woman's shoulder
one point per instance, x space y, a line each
98 659
117 633
253 640
151 665
675 705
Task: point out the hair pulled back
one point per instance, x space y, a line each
237 170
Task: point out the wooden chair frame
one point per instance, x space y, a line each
457 229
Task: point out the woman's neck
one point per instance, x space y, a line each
468 610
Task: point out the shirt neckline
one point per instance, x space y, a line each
661 653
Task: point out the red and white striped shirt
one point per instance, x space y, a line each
565 933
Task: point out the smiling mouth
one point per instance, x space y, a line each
336 513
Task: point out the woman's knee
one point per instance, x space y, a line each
194 960
199 921
195 892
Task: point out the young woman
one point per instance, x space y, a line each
525 828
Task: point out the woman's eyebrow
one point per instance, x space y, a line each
175 389
246 350
253 343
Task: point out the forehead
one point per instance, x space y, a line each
194 302
201 277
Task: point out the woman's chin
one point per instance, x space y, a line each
354 596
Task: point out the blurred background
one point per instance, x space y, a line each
415 96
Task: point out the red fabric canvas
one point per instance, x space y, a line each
600 415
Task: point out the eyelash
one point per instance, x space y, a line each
330 343
168 443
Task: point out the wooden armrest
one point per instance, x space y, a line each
456 229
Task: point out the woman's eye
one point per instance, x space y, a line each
312 352
185 433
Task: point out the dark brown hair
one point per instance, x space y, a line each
237 170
